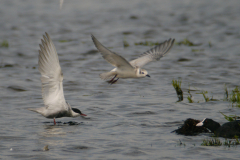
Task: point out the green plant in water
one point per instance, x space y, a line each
177 86
180 143
211 142
230 117
210 44
197 50
125 43
204 95
230 143
187 43
4 44
226 93
235 96
147 43
189 97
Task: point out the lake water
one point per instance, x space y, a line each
132 119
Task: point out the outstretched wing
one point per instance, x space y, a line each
52 77
153 54
111 57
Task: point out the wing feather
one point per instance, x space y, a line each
52 77
111 57
154 54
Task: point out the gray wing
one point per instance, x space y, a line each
52 77
153 54
111 57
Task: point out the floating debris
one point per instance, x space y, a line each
45 148
16 88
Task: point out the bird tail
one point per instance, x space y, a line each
38 110
107 75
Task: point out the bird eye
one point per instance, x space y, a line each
142 72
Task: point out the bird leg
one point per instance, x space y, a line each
112 80
54 121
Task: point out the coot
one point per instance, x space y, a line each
227 130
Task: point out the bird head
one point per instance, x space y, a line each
142 73
77 112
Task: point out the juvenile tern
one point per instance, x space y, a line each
52 86
132 69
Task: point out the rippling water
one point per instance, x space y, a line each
133 118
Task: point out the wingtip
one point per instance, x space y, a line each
93 37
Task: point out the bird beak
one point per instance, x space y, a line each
199 124
147 75
83 114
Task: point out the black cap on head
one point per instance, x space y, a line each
78 111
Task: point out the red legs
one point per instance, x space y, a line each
54 121
112 81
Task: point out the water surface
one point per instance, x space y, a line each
133 118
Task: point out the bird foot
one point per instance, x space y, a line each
112 81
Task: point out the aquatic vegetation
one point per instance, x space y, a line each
211 142
147 43
125 43
230 142
4 44
226 93
179 143
204 95
206 98
187 43
235 97
209 44
230 117
177 86
217 142
190 100
197 50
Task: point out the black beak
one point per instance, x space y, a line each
147 75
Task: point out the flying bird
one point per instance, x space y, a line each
132 69
52 84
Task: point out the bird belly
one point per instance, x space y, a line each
126 74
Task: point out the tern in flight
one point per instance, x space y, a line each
52 84
132 69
